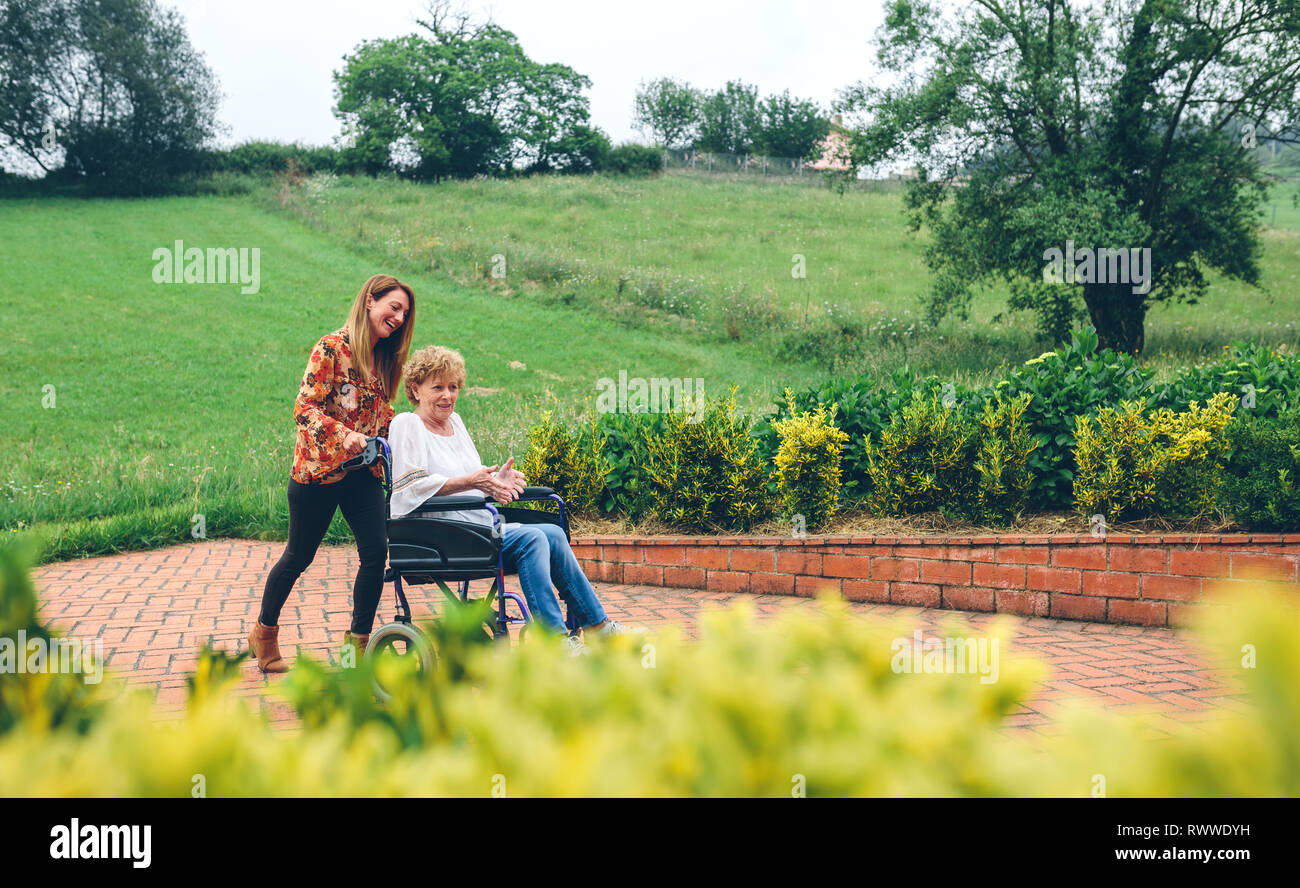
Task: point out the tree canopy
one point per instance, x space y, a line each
107 92
730 119
791 127
669 111
1117 125
462 99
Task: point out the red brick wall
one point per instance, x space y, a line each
1152 580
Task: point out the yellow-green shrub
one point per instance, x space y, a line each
704 471
1133 463
45 699
936 458
1001 461
754 708
808 463
921 461
567 460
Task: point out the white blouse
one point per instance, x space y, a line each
423 462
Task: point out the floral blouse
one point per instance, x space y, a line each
334 399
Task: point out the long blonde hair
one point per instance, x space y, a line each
390 353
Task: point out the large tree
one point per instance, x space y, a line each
109 92
669 111
460 100
1116 125
730 120
791 127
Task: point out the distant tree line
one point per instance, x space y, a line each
730 120
110 95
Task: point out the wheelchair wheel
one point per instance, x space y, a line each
405 643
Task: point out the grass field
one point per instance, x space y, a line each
720 254
1283 209
171 401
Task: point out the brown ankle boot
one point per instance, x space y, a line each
359 640
264 642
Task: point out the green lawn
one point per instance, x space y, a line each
1283 210
175 400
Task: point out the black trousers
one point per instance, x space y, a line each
311 508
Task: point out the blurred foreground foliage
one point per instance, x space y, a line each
808 700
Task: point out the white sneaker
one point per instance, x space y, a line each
613 627
574 646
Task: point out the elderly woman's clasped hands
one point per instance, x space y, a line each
502 485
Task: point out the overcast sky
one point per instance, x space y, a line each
274 58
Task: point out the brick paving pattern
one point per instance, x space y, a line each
154 609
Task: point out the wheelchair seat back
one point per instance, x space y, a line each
441 549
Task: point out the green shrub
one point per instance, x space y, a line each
634 160
1261 487
1265 381
704 471
1072 381
627 456
1135 464
262 158
921 462
1075 380
935 458
808 464
583 149
567 460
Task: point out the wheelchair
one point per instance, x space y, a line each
423 549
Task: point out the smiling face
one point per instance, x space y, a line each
437 399
387 313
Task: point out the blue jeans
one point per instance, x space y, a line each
540 554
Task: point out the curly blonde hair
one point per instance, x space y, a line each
433 360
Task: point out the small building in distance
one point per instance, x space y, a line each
833 151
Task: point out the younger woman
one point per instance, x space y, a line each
352 377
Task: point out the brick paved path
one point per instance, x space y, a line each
154 609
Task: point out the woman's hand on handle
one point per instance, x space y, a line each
354 443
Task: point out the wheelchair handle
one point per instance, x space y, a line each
376 451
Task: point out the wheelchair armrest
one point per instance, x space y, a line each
450 504
536 493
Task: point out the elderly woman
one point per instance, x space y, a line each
433 454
